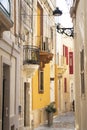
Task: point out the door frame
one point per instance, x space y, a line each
7 62
29 80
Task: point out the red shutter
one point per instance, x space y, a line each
70 62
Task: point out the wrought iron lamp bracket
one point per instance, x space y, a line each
68 31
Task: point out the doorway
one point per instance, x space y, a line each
59 94
26 104
6 97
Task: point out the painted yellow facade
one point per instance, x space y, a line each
41 100
45 40
56 89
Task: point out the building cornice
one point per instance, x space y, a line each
73 8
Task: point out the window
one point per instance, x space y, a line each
65 53
41 81
65 85
70 62
52 37
39 20
5 5
82 71
27 10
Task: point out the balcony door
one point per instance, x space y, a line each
6 97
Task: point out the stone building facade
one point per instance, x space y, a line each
78 13
64 72
9 65
27 55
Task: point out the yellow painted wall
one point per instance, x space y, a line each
39 24
56 88
40 100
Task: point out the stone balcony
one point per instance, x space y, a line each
46 54
61 64
31 58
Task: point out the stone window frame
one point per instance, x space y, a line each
41 81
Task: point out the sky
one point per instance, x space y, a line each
64 19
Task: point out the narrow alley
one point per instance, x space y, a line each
43 64
65 121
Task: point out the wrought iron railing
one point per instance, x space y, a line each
30 54
44 43
60 60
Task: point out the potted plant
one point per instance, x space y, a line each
50 109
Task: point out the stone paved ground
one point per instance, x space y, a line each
65 121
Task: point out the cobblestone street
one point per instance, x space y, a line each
65 121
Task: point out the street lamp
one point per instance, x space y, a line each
57 12
68 31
